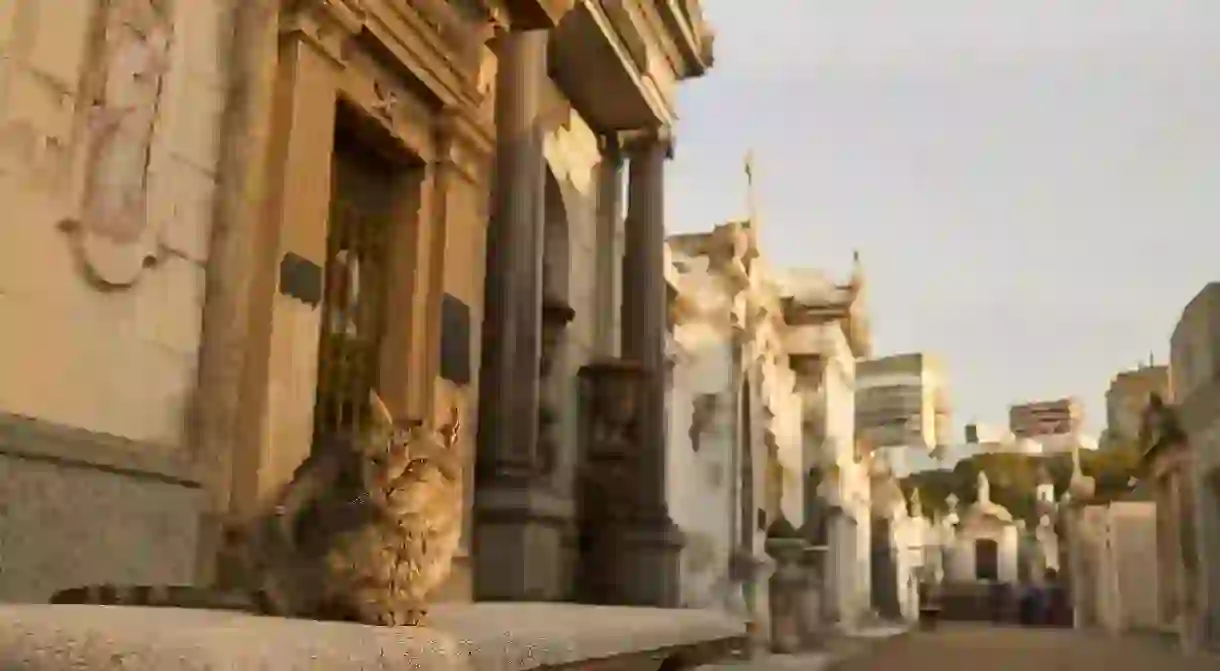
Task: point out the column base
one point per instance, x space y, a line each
635 563
519 544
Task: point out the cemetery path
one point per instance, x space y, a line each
987 648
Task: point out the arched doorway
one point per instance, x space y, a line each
556 383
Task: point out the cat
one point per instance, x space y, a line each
362 533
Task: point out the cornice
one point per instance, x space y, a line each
693 36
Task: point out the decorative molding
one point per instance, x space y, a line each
37 439
386 103
111 233
465 144
327 24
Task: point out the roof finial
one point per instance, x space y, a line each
751 196
857 270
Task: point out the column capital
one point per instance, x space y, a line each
610 145
638 142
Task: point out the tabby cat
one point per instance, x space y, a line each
362 533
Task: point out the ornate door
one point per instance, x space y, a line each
354 305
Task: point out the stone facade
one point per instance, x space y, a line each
102 285
1168 466
1114 586
761 428
1131 530
1125 400
208 195
983 523
829 331
1195 388
705 459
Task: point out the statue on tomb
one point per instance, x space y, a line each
916 504
1159 424
984 489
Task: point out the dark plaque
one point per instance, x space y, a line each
301 279
455 340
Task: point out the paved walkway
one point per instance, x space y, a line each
843 645
975 647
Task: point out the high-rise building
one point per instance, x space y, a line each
1126 399
902 401
1039 419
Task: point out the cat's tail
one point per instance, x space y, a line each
165 596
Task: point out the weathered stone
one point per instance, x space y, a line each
475 637
786 592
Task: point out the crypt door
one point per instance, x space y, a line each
355 302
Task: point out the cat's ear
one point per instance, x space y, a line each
381 414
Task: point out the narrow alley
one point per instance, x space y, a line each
970 647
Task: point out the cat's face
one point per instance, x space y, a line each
412 470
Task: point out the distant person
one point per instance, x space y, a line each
1057 610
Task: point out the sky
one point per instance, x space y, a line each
1033 185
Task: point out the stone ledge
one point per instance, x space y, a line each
30 438
467 637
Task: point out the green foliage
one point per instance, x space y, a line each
1014 478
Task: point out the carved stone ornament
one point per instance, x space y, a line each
112 233
386 104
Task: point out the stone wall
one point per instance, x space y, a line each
101 283
1195 382
703 465
1132 533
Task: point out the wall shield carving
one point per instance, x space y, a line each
112 232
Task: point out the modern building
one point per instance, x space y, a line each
1039 419
1126 399
902 400
425 199
902 408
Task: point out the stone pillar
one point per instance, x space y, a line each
644 303
517 519
609 217
652 543
786 586
218 408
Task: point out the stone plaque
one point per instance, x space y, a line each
455 340
301 279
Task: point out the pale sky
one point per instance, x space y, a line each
1033 185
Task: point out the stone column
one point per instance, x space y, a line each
217 412
656 540
643 307
609 216
517 518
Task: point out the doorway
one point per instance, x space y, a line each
356 300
